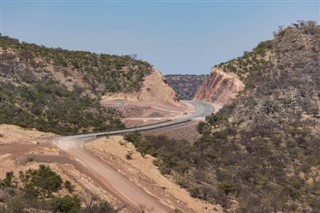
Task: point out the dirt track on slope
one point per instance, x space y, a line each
133 196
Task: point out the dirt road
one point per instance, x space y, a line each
133 196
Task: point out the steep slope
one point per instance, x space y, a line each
260 153
58 90
185 86
220 88
269 139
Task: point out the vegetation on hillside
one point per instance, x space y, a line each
185 86
43 190
102 72
250 62
50 107
59 90
261 153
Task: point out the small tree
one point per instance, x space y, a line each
69 186
66 204
203 128
227 188
129 155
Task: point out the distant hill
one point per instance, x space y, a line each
58 90
185 86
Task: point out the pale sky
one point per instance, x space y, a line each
177 37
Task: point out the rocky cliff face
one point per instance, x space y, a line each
219 87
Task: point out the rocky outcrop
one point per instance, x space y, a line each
219 88
155 88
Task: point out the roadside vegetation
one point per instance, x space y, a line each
43 190
261 153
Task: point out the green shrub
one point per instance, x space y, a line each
66 204
69 186
203 128
101 207
42 182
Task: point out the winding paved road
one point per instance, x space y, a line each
130 194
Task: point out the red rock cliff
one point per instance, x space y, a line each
219 88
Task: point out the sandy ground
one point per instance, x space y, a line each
14 134
142 172
14 143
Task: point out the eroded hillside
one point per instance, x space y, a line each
59 90
220 87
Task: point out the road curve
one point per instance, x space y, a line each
130 194
202 109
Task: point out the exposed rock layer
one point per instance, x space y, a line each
219 88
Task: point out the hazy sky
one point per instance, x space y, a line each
186 37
